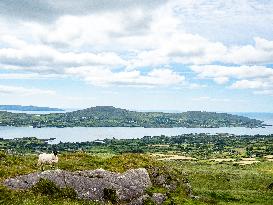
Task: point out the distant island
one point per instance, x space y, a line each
27 108
108 116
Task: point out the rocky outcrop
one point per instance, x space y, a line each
93 185
134 187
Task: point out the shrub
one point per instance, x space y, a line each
110 195
49 188
4 194
68 192
149 201
2 155
46 187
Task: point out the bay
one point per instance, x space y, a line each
82 134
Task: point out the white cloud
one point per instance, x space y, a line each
221 74
195 85
40 55
102 38
232 22
18 90
12 41
181 48
106 77
221 80
91 45
260 53
25 76
93 30
252 84
211 99
259 78
263 44
47 10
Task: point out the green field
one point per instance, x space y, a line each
214 183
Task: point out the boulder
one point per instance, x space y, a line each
91 184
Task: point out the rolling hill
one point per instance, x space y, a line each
108 116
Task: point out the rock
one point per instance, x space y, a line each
160 180
188 190
92 184
140 200
158 198
27 181
101 185
166 179
171 181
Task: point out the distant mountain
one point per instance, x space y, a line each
27 108
108 116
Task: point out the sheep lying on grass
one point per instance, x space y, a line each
50 159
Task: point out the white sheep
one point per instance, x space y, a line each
48 159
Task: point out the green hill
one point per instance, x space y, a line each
108 116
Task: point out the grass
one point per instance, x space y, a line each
215 183
229 184
49 188
13 165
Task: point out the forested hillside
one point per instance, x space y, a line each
108 116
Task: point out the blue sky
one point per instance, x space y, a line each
138 54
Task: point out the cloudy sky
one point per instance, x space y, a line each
214 55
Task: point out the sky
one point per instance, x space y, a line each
208 55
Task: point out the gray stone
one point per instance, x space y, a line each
140 200
158 198
90 184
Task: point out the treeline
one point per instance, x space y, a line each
107 116
194 145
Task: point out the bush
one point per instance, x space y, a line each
149 201
2 155
110 195
49 188
4 194
46 187
68 192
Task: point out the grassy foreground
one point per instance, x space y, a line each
215 183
